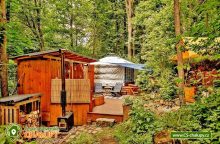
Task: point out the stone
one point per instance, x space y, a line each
81 128
72 136
162 102
105 122
175 108
177 101
77 133
94 132
98 129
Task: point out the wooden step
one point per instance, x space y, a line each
94 116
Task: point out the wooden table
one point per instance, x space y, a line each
131 90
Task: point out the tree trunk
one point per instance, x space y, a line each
125 30
3 52
76 37
129 11
178 49
94 42
71 32
39 28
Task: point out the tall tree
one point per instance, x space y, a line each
3 51
31 15
178 49
130 13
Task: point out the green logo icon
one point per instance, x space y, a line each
13 131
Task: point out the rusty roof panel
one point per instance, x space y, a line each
69 55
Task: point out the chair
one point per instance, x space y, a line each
117 89
98 88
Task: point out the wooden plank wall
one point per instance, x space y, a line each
35 76
77 90
80 113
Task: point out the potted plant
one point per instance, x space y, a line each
127 105
190 91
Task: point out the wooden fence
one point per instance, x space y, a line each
77 90
10 114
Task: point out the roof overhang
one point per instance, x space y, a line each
55 54
17 98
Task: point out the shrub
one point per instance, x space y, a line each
123 132
139 128
204 115
84 138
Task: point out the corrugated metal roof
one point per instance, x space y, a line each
68 54
17 98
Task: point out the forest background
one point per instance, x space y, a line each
139 30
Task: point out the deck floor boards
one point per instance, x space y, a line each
111 106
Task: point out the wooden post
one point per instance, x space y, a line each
85 71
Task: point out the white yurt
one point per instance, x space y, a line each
113 69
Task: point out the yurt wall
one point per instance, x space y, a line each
109 74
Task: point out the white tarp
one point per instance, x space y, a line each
114 60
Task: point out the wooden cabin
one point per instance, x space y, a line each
40 72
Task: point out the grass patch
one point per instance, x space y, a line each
103 137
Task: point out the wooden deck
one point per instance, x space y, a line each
111 109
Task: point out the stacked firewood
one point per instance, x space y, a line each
30 120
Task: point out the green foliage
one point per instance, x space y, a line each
139 128
83 138
162 82
3 138
89 27
2 135
181 120
208 113
128 101
157 39
157 46
86 138
204 115
142 118
11 76
124 134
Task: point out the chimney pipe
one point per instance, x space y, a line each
63 91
